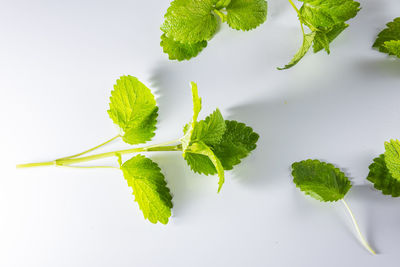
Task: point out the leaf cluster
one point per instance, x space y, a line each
209 146
325 19
190 24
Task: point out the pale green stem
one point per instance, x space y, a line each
68 161
88 167
363 241
298 13
94 148
220 14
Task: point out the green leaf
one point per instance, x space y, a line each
246 14
391 33
185 140
324 38
210 130
149 188
392 158
307 42
320 180
179 51
190 21
199 163
202 149
328 13
393 47
236 143
380 176
133 108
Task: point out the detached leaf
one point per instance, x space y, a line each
190 21
133 108
392 158
328 13
380 176
181 51
236 143
202 149
389 38
320 180
307 42
246 14
149 188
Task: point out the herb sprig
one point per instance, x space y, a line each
190 24
209 146
326 19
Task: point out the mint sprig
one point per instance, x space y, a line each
190 24
325 20
209 146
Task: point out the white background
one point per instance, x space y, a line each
58 63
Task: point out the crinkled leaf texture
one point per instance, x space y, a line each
320 180
392 158
149 188
380 176
388 40
326 20
180 51
246 14
133 108
190 21
213 145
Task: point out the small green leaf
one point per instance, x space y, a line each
133 108
180 51
323 14
190 21
384 40
392 158
324 38
246 14
236 143
307 42
199 163
149 188
202 149
380 176
210 130
320 180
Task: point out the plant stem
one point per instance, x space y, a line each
94 148
89 167
298 14
220 14
68 161
363 241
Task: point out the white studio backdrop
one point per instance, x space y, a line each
58 63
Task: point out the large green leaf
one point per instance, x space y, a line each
246 14
190 21
133 108
320 180
180 51
149 188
